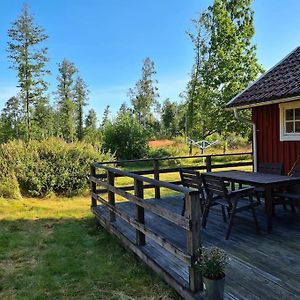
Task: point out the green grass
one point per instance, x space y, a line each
53 249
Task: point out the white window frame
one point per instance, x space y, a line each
282 108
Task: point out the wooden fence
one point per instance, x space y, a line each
103 181
157 169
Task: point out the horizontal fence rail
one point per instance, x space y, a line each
157 170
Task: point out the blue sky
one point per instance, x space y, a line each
108 40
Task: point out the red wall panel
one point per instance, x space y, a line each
269 147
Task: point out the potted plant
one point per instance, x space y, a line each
211 263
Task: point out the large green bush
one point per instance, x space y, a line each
39 168
126 138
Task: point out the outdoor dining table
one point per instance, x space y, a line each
257 179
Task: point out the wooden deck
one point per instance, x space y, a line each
265 266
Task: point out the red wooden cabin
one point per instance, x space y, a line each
275 103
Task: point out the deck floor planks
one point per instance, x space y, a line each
265 266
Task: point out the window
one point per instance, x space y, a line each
290 121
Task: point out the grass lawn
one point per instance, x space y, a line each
53 249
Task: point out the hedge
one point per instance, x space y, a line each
39 168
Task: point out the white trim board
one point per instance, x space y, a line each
282 109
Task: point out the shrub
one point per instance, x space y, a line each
49 166
125 137
9 187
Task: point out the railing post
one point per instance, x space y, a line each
111 195
208 163
156 176
193 209
139 211
93 186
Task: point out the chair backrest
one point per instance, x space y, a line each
271 168
215 186
296 171
191 179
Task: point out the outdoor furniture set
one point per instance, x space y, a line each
267 183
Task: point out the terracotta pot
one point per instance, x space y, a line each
214 289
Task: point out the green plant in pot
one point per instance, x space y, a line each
211 263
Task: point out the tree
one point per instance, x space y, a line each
91 120
65 94
80 97
91 133
43 120
124 108
124 137
169 118
11 120
225 63
145 93
29 59
105 117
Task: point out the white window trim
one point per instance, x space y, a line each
282 108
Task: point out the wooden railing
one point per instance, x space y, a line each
103 181
191 222
156 170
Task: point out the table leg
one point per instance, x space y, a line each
269 207
298 207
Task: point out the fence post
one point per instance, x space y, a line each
193 208
139 211
156 176
111 195
208 163
93 186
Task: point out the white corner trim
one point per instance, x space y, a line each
282 109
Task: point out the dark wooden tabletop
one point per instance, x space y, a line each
255 178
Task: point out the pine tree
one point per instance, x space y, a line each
65 94
91 133
80 97
29 59
105 118
145 93
91 120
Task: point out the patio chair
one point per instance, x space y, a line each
234 201
192 179
289 195
269 168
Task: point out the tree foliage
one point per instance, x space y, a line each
169 118
145 93
124 137
80 99
29 59
65 95
225 63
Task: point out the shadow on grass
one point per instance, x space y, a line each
71 259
